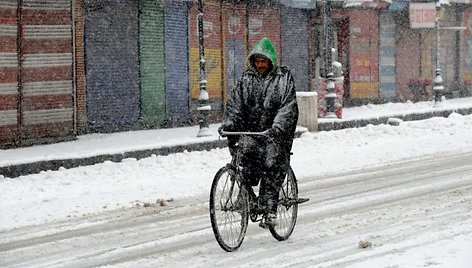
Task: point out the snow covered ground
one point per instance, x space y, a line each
69 194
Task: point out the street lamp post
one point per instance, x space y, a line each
438 87
203 98
330 86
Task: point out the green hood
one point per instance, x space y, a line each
266 48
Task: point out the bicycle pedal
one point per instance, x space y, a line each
302 200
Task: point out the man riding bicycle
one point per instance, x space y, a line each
264 99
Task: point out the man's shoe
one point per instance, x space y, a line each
270 220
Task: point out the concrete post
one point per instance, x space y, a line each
308 110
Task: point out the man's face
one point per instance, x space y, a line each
262 65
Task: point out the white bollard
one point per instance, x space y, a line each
308 110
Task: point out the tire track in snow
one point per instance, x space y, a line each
343 209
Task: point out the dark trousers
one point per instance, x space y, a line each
265 162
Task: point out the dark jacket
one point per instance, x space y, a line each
259 103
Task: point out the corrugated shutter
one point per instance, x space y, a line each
295 45
363 58
176 53
408 57
152 65
387 56
234 28
47 104
264 21
8 71
467 47
112 65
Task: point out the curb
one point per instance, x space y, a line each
14 171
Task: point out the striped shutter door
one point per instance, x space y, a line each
112 64
295 45
47 103
152 65
8 71
387 56
176 54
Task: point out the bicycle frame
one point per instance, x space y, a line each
254 210
233 201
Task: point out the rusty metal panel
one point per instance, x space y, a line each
8 71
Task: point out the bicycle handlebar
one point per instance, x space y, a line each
240 133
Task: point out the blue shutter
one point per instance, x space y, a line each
295 45
112 65
177 68
387 56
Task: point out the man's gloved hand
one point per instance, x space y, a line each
225 127
273 133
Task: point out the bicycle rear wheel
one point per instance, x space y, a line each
229 209
287 208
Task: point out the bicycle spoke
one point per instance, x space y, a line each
229 216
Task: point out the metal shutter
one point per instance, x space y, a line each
152 65
264 21
112 65
234 28
8 71
43 73
387 56
295 45
176 53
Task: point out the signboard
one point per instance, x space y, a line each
308 4
422 15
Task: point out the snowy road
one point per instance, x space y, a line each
393 207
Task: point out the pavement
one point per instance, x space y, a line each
96 148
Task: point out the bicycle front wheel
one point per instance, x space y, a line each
229 209
287 208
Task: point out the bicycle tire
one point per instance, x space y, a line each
287 208
229 217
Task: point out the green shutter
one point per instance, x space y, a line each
151 40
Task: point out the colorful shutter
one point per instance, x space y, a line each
364 50
295 45
112 64
387 56
234 32
152 65
176 58
264 21
212 36
467 46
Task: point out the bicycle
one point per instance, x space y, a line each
233 202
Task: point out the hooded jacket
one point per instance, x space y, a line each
258 103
